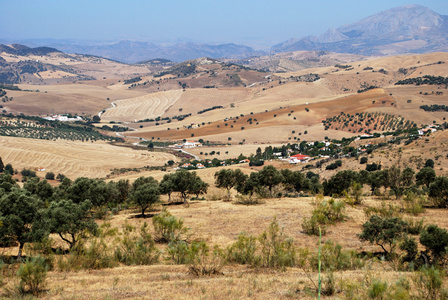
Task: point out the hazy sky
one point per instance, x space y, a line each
251 22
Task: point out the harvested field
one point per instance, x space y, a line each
76 159
142 107
64 98
194 100
277 126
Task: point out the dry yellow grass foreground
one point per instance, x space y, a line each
219 223
75 159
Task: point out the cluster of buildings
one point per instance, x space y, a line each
186 145
62 118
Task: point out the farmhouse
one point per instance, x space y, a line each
298 158
191 144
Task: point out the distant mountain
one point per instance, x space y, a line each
404 29
134 51
16 49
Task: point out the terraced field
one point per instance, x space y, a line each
142 107
75 159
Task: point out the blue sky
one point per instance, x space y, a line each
258 23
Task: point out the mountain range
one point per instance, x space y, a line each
404 29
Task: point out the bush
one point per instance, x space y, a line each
168 228
243 251
414 204
136 250
377 290
32 276
272 249
428 284
248 200
277 249
363 160
311 226
334 258
325 213
203 261
178 252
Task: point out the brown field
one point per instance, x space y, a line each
75 159
276 126
77 98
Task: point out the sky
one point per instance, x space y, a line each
257 23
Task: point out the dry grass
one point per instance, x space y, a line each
76 159
220 223
143 107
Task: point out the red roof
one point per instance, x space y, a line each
300 156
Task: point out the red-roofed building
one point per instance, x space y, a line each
294 159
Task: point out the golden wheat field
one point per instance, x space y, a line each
148 106
76 159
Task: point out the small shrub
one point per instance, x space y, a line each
386 210
311 226
414 204
178 252
325 213
169 228
428 284
32 276
243 251
248 200
203 261
377 290
136 250
334 258
277 249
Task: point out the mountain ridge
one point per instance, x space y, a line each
422 29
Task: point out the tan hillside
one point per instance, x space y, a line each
142 107
75 159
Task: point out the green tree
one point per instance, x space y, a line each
184 181
70 220
167 185
146 195
198 187
425 176
400 181
248 185
7 183
50 176
438 191
9 169
429 163
2 166
18 215
383 232
293 180
124 188
340 182
42 189
228 179
269 176
435 239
